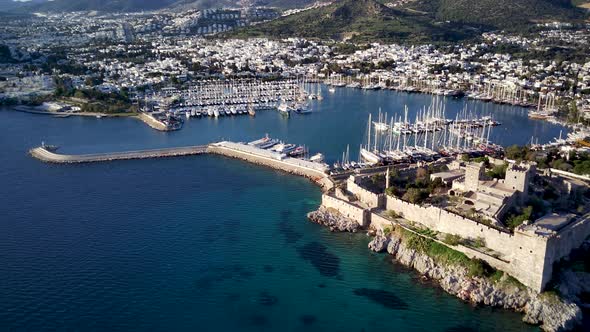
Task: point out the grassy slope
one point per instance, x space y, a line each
361 20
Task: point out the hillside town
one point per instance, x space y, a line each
153 50
493 223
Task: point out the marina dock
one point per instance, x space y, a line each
44 154
267 158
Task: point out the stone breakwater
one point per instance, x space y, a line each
550 312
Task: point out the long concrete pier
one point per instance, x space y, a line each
44 154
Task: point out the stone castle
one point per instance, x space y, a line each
527 253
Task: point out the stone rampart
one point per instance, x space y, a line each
369 198
347 209
525 254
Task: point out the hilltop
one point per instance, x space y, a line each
356 20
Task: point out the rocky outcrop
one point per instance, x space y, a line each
335 221
551 312
379 243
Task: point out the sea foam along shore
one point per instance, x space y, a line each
548 310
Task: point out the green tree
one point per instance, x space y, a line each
514 221
415 195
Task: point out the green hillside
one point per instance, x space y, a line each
359 21
498 13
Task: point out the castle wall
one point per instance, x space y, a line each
526 256
522 256
347 209
369 198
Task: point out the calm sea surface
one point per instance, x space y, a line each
207 243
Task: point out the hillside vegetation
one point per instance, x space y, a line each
357 20
499 13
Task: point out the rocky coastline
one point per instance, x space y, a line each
551 312
333 220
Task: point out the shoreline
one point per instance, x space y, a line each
549 311
465 98
554 313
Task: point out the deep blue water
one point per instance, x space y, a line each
204 243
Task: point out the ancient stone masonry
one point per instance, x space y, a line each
553 314
527 254
346 209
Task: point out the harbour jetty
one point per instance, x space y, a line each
318 172
315 171
46 154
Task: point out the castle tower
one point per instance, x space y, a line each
473 174
518 177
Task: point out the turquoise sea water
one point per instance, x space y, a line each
205 243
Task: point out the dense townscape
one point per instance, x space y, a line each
134 52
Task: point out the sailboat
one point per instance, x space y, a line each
366 154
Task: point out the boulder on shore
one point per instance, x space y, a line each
335 221
379 243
